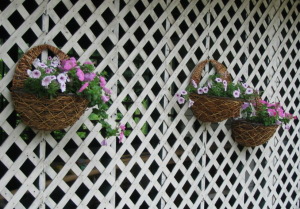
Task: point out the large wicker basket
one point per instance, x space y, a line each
211 108
42 113
251 134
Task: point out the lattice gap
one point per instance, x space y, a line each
169 159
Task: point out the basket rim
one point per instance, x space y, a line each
219 97
242 120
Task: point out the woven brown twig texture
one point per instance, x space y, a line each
42 113
251 134
214 109
210 108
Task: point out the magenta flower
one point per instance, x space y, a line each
272 112
122 127
280 112
200 91
84 86
68 64
236 94
102 81
205 89
107 90
80 74
89 76
88 63
180 100
121 136
194 84
105 98
62 78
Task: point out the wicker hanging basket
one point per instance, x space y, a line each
42 113
251 134
211 108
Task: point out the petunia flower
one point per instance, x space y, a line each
177 95
104 98
84 86
89 76
121 136
183 92
219 80
80 74
102 81
236 94
245 105
272 112
180 100
191 102
194 84
68 64
205 89
63 87
249 91
122 127
62 78
107 90
46 81
287 127
245 85
36 74
200 91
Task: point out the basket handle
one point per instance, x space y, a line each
26 61
220 68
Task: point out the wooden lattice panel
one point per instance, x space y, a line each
169 159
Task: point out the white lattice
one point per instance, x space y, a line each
169 159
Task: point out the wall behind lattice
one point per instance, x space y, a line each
169 159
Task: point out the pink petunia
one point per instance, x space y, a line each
105 98
272 112
68 64
80 74
121 136
89 76
88 63
107 90
122 127
102 81
84 86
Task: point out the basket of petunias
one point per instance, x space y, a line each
260 120
52 95
219 98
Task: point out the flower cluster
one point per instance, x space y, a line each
71 77
266 113
216 86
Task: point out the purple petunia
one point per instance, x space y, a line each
89 76
35 74
62 78
105 98
245 85
183 92
63 87
200 91
245 105
236 94
180 100
249 91
102 81
46 81
80 74
205 89
219 80
191 102
194 84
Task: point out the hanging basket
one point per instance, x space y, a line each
251 134
211 108
42 113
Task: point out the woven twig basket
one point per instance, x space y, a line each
42 113
211 108
251 134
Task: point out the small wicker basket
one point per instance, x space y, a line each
211 108
42 113
251 134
